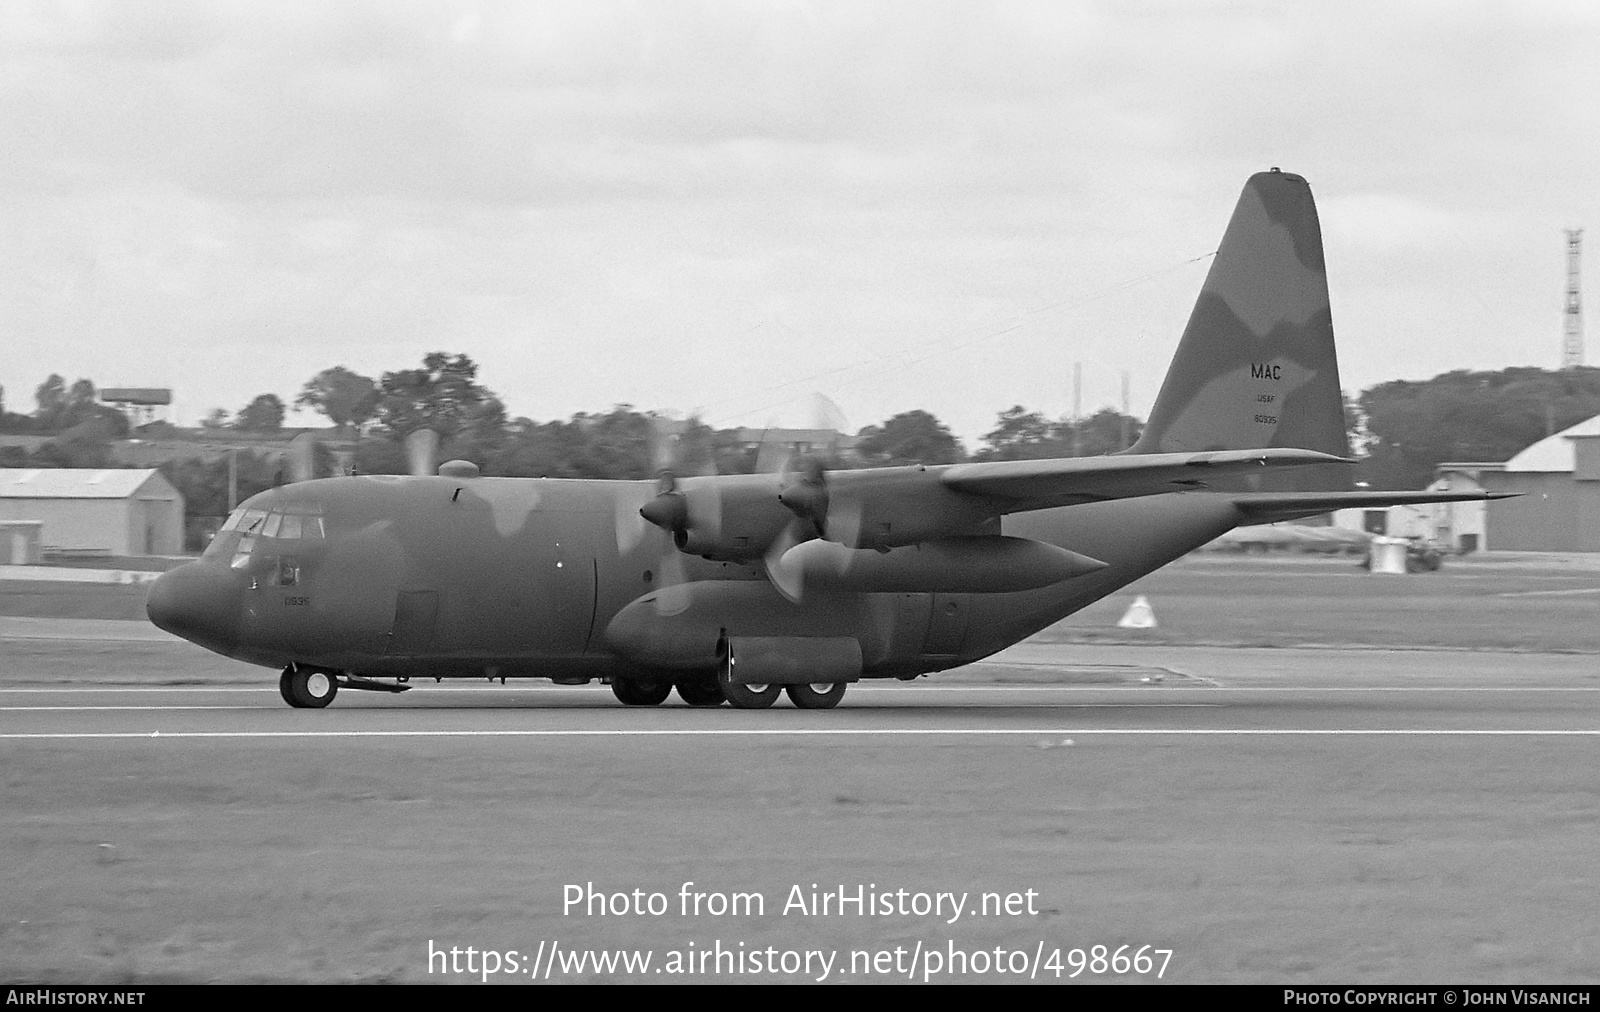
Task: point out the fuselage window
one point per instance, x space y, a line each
290 527
241 554
233 521
270 530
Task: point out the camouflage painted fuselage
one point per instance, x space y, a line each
505 577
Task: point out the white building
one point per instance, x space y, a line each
98 512
1453 526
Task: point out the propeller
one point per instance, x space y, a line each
787 580
807 495
819 512
302 457
666 506
422 452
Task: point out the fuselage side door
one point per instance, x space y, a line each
415 613
561 583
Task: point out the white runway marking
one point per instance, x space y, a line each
268 706
10 709
1186 685
837 732
1550 593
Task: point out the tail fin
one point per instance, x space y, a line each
1256 366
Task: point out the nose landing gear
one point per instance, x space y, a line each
303 687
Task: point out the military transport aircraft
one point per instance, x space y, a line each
731 588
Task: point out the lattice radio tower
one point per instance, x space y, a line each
1572 339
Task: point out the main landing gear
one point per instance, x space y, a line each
741 696
307 687
700 690
632 692
816 696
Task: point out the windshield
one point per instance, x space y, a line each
252 531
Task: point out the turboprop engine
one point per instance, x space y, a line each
730 519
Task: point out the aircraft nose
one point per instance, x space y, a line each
200 602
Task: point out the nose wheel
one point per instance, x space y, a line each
305 688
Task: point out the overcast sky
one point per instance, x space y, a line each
731 207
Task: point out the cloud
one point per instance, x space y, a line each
625 201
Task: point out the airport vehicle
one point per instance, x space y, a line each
732 588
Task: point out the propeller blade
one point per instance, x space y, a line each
844 520
663 445
630 525
422 452
772 457
302 457
787 580
671 575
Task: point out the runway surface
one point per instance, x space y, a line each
1268 815
887 710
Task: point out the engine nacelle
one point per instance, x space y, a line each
730 518
985 564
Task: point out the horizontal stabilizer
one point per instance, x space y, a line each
1271 507
1040 484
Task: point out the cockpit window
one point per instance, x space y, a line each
271 531
250 522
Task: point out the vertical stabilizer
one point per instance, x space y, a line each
1256 366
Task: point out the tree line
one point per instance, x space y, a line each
1402 429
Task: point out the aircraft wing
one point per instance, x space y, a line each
1040 484
1271 507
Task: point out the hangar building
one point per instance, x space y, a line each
1559 509
96 512
1453 526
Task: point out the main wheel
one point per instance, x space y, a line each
700 690
741 696
307 687
633 692
816 696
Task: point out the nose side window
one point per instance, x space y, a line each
290 528
288 571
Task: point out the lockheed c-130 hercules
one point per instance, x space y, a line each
731 588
